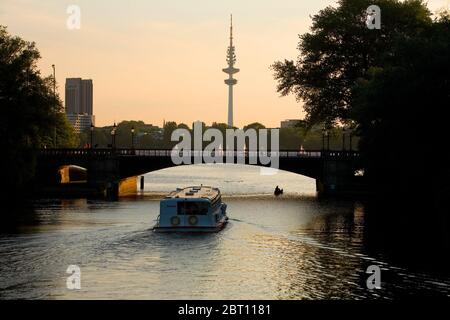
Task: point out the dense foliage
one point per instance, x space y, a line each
402 108
31 116
340 49
151 137
391 85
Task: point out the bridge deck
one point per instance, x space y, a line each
106 168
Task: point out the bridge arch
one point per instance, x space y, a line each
230 178
72 174
143 162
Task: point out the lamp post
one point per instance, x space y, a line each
132 137
54 96
327 134
350 137
343 138
54 81
323 138
113 137
92 135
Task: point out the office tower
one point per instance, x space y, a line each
79 103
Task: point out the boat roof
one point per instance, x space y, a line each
194 192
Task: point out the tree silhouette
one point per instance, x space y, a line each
31 113
340 49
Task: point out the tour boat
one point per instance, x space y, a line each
192 209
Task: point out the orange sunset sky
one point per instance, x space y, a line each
156 60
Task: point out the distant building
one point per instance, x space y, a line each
150 130
81 122
79 103
73 95
150 127
86 97
290 123
155 132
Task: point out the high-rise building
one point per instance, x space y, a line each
73 95
86 97
79 103
231 60
79 96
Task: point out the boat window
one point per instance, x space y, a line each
192 208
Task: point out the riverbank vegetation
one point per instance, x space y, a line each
392 86
147 136
31 111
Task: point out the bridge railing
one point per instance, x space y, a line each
198 153
76 152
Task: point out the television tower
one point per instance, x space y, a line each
231 60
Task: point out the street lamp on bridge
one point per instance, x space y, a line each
350 135
113 136
132 137
323 138
347 130
344 131
325 135
92 135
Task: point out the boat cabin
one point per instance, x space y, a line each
192 208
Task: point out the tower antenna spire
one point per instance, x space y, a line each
231 30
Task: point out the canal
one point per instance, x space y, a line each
292 247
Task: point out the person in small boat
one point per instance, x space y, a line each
278 191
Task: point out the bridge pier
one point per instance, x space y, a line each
115 189
127 187
338 178
111 191
104 174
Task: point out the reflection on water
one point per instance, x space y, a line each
289 249
294 247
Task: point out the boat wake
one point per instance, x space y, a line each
251 196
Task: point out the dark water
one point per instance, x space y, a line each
295 247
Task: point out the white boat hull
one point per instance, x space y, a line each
220 225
